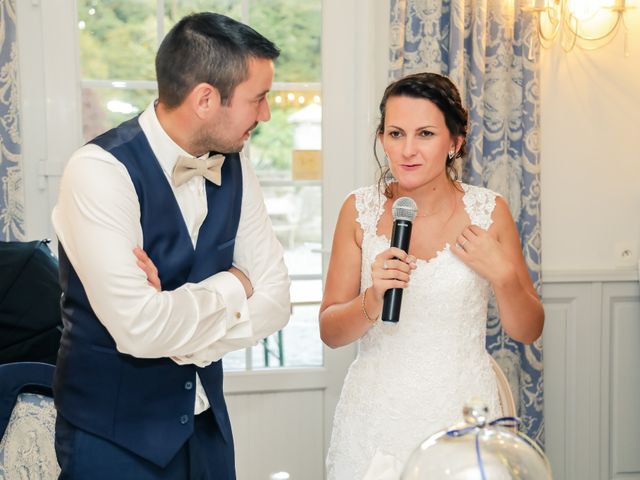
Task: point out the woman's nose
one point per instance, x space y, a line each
408 148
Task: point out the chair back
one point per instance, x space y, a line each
504 391
27 422
30 318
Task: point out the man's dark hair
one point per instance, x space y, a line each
210 48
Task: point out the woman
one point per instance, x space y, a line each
412 378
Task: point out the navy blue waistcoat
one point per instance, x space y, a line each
146 405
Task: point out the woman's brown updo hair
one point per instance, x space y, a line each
444 94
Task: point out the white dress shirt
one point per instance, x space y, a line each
97 220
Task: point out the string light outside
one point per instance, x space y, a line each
295 98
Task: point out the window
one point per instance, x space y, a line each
118 41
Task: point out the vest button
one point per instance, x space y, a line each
188 385
184 419
238 315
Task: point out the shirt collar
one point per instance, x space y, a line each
164 148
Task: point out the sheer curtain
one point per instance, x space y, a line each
486 48
11 191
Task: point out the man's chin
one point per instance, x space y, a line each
234 148
238 145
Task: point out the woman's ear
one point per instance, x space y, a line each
459 143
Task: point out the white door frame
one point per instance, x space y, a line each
50 113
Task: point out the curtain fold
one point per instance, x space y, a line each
486 48
11 186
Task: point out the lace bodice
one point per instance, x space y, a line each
412 378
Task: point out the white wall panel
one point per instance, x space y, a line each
621 319
569 362
592 379
276 432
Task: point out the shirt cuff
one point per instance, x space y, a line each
234 298
238 327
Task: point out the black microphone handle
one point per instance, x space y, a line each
393 297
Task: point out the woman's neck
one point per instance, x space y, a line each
432 198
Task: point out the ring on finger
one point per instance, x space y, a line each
385 265
462 243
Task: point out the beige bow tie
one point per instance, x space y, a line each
187 167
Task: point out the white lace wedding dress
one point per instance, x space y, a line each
411 379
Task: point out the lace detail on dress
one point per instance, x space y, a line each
479 203
412 379
370 207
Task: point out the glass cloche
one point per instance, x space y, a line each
478 450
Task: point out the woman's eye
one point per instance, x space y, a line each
394 134
426 133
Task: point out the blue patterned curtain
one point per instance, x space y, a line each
12 196
485 47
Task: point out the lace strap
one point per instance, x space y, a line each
370 206
479 203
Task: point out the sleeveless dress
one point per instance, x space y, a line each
411 379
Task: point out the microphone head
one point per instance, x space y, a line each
404 208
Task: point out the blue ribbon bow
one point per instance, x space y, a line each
508 422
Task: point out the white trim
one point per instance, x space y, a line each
355 46
33 127
619 300
589 381
153 85
579 276
159 22
275 380
120 84
50 106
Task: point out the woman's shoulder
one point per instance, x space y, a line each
367 203
477 191
366 198
366 191
480 204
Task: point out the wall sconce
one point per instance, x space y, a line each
589 24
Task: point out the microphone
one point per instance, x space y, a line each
404 212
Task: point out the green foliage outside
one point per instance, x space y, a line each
118 41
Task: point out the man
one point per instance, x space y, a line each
138 385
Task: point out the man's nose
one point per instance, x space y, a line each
264 115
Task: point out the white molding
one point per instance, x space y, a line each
583 357
615 297
50 106
581 276
275 380
354 57
560 304
33 128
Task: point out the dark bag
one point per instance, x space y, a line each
30 320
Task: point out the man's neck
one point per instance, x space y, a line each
177 123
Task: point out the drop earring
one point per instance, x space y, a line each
452 154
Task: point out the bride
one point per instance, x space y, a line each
410 379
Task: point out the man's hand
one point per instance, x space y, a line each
147 266
246 283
